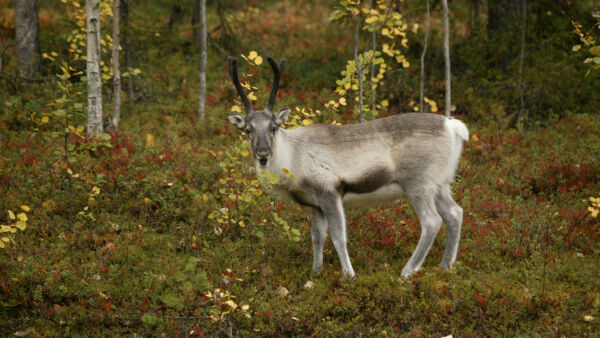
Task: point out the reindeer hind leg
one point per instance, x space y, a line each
452 214
424 205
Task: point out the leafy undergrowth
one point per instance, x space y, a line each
125 243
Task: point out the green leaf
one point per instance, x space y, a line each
595 50
106 137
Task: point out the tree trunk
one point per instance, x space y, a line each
94 76
27 36
176 15
474 8
358 67
447 58
116 71
127 49
502 15
372 66
476 13
196 24
201 4
521 114
425 42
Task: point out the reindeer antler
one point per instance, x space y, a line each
277 69
233 72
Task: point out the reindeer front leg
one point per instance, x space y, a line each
332 208
319 234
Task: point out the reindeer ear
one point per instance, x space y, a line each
237 120
281 116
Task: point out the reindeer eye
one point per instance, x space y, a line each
274 129
248 131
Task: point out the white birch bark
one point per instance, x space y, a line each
27 36
447 58
521 113
425 42
372 66
203 55
116 69
359 73
94 76
127 49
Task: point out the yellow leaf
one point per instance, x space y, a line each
21 225
69 171
245 307
306 122
342 101
251 96
22 216
231 304
287 172
205 197
371 19
149 139
258 60
11 215
45 119
5 239
236 109
588 318
415 28
252 55
385 103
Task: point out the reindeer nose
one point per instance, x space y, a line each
262 155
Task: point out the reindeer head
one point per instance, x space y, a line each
261 126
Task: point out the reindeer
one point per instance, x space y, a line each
365 164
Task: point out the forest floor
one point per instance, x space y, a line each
145 253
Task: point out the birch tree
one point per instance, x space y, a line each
359 72
425 42
200 37
124 9
116 70
94 76
521 113
447 58
372 67
27 35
